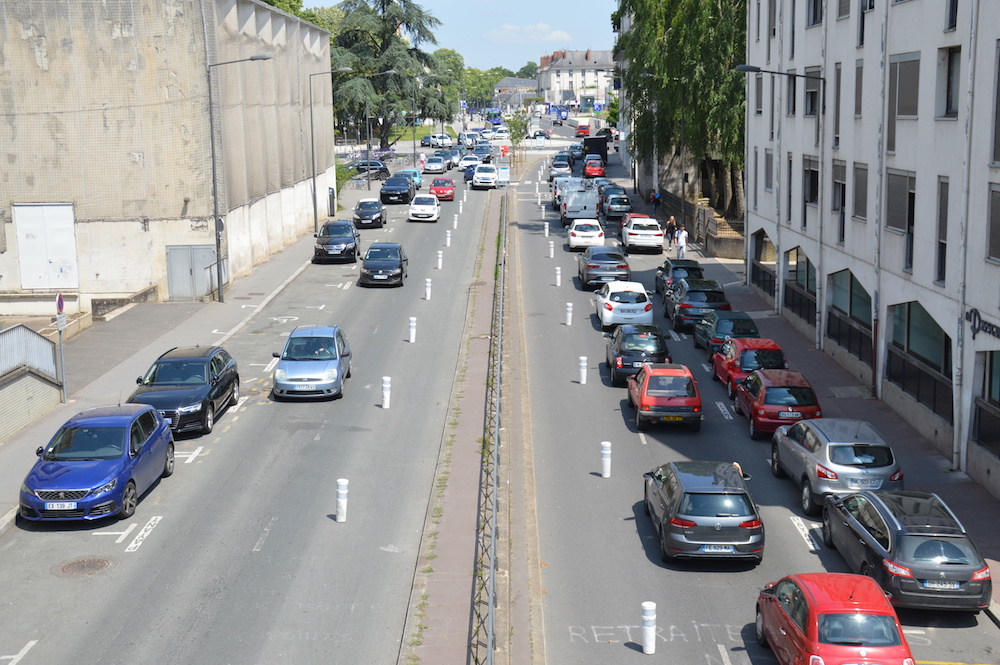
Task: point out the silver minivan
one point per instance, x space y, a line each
314 363
833 456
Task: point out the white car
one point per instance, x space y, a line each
435 165
467 161
585 233
424 208
485 176
502 134
441 141
486 134
642 232
623 302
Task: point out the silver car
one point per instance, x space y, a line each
314 363
833 456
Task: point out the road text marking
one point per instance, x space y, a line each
806 532
146 530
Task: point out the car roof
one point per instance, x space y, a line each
633 328
783 378
702 285
313 331
110 415
847 430
373 200
682 263
388 245
188 352
919 512
730 314
704 476
668 369
840 592
755 343
625 286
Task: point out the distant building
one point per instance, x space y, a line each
511 91
579 79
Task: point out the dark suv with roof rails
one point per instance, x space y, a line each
686 301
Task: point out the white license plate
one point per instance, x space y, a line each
639 364
725 549
380 277
940 584
608 278
789 414
65 505
303 386
629 311
865 482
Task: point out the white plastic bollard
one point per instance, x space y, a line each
605 459
569 313
546 229
440 258
447 238
558 276
413 329
454 222
539 200
464 194
552 248
341 499
649 627
460 204
386 389
427 289
583 370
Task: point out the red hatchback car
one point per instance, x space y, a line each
830 619
739 356
443 188
593 169
770 398
583 130
664 393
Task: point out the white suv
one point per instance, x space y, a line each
502 134
642 232
441 141
485 175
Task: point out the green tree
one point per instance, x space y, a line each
613 110
528 71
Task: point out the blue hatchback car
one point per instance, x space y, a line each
99 464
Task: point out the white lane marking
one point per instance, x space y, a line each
675 336
146 530
250 306
242 400
708 368
16 658
268 367
806 532
190 455
264 534
323 306
347 285
284 319
724 655
725 410
122 535
642 438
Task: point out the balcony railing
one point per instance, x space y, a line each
850 334
763 277
800 301
986 427
926 385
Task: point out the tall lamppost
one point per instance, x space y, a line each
368 129
821 277
215 175
312 138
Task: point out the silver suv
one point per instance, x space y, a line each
833 456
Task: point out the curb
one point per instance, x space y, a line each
7 521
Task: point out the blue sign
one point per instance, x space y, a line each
598 107
462 104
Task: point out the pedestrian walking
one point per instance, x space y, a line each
670 231
681 238
654 200
423 160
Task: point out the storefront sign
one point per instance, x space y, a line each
977 324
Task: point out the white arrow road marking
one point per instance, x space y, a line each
121 535
146 530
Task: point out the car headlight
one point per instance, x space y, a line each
366 271
26 490
396 271
191 408
279 375
319 246
330 375
106 487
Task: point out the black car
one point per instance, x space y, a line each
189 385
484 154
719 325
672 270
370 213
338 240
632 346
425 140
912 545
378 168
688 300
385 264
396 190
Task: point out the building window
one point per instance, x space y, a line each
768 170
848 296
759 94
860 191
790 90
996 110
788 191
994 240
901 192
859 77
770 109
843 8
836 105
756 177
904 84
810 181
812 91
942 231
791 33
951 16
814 12
914 330
949 81
771 33
757 31
801 270
839 200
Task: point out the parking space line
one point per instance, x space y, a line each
122 535
806 532
16 658
189 454
264 534
146 530
724 654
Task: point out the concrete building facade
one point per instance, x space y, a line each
107 187
873 200
569 77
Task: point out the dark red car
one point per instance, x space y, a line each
770 398
443 188
593 169
583 130
664 393
741 355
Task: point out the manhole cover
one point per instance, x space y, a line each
84 567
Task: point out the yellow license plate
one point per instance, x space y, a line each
670 419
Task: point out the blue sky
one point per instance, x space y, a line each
509 33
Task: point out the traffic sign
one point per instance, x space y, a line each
60 304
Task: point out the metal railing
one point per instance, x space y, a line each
762 277
986 426
927 386
850 334
800 301
21 346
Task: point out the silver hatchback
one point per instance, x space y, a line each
833 456
314 363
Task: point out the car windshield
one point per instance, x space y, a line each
938 550
706 296
589 228
693 273
790 396
873 630
336 231
715 505
860 454
441 182
645 226
736 328
382 253
762 359
424 201
629 297
175 374
309 348
486 169
648 342
670 386
368 205
86 443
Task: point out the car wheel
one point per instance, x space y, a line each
827 534
710 352
639 424
809 506
168 462
674 325
628 399
235 397
753 431
715 377
348 375
694 340
865 570
209 422
130 499
758 629
731 389
736 408
776 469
645 503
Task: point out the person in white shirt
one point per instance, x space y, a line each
681 240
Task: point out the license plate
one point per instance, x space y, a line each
303 386
670 419
380 277
865 482
608 278
724 549
65 505
789 414
639 364
628 311
940 584
334 251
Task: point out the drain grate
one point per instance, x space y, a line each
84 567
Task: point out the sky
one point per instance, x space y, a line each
511 33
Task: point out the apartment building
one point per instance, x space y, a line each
873 200
577 78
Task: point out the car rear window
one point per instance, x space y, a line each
856 629
937 549
587 227
762 359
710 297
611 257
648 342
787 396
619 200
560 165
736 328
670 386
684 273
860 454
645 226
715 505
628 297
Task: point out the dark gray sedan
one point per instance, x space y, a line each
602 264
385 264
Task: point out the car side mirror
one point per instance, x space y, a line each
276 354
38 453
315 235
138 380
767 591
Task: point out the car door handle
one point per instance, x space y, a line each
782 631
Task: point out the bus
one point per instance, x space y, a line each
494 116
559 113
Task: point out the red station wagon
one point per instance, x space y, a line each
741 355
770 398
664 393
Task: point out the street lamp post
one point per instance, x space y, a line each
312 140
368 129
821 277
215 175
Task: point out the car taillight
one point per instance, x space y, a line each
823 472
618 362
896 569
608 307
685 305
591 266
897 476
670 280
980 575
816 660
573 233
648 307
623 266
684 524
632 233
600 234
658 234
726 307
908 661
750 524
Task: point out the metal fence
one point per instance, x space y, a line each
762 277
986 427
850 335
801 302
927 386
21 346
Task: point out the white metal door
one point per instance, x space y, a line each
46 246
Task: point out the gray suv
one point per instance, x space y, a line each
703 510
686 301
833 456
